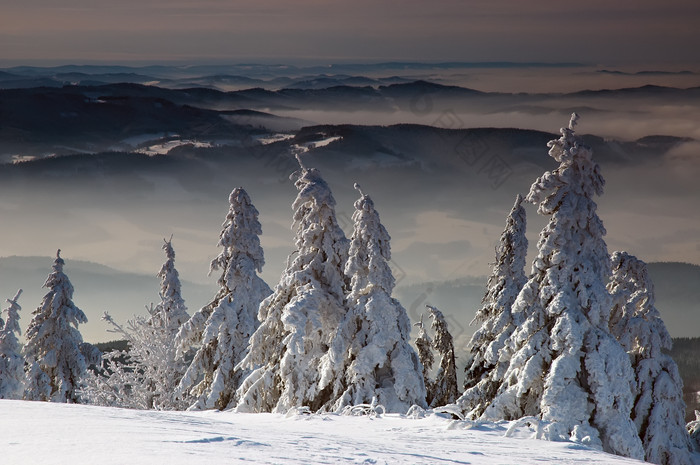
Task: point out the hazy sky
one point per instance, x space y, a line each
595 31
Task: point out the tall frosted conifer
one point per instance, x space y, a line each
659 410
370 356
444 389
300 318
567 369
222 329
424 344
490 355
171 309
56 355
11 359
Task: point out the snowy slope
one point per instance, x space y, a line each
42 433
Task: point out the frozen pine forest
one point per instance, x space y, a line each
568 362
567 369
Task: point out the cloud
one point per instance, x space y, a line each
685 159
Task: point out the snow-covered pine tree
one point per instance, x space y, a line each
370 355
151 375
222 329
171 310
444 388
489 354
164 368
567 369
55 352
425 354
11 360
659 410
301 316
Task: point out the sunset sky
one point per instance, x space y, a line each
220 30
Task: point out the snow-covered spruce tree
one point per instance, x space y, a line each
171 310
444 389
163 366
567 369
223 328
299 319
150 378
425 354
55 352
370 355
659 410
11 360
489 354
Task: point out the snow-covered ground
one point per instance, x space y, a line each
165 147
321 143
272 138
43 433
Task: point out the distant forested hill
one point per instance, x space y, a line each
686 353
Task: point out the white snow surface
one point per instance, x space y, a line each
53 433
164 147
272 138
321 143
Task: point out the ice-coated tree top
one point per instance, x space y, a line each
57 277
370 250
577 172
172 304
12 324
636 322
11 360
508 275
512 249
240 231
572 242
314 194
320 242
60 295
59 262
443 338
